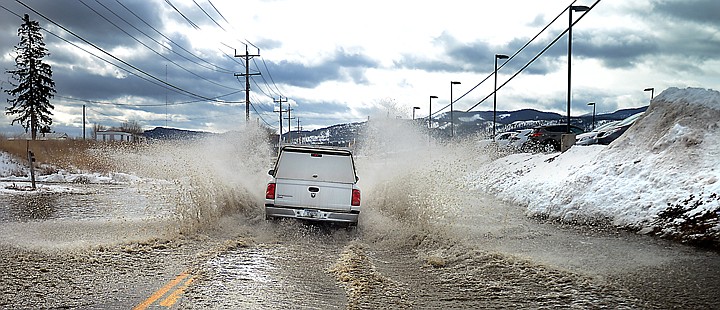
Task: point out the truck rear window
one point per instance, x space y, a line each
316 166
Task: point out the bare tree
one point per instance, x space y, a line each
97 127
131 127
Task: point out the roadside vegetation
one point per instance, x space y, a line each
68 154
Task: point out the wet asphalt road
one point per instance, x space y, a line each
119 247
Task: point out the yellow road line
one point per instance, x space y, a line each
159 293
175 295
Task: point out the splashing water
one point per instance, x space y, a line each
213 177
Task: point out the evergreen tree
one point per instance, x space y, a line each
35 86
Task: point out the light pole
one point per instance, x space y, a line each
652 92
452 119
415 108
593 119
430 112
576 8
497 56
430 117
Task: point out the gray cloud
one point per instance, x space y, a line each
703 12
341 66
616 49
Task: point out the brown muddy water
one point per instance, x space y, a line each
425 241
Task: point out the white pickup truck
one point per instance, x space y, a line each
313 183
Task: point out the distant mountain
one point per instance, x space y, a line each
338 135
162 133
466 124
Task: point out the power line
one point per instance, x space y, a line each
145 45
509 59
183 15
187 92
213 66
208 15
536 56
216 10
148 105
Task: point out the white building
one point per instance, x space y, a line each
117 136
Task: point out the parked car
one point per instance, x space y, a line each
519 139
589 138
504 139
549 136
610 134
314 183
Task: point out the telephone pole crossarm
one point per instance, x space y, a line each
281 111
247 75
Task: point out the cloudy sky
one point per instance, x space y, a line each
345 61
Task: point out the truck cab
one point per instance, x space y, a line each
315 183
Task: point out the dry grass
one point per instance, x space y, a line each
65 154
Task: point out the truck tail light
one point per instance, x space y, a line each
355 197
270 191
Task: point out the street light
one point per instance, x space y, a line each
415 108
576 8
430 116
430 112
593 119
652 92
497 56
452 120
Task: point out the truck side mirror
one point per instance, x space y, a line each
271 172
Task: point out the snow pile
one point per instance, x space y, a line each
16 177
660 177
9 165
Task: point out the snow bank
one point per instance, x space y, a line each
9 165
15 176
661 176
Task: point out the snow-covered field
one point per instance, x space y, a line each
662 176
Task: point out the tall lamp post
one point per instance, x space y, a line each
652 92
593 119
497 56
576 8
430 116
452 119
430 112
415 108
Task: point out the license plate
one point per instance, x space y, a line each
311 213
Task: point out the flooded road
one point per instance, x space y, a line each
496 258
500 261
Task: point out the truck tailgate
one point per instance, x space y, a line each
313 194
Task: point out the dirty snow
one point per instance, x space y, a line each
661 176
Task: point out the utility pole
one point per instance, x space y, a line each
247 75
83 122
280 110
289 128
298 131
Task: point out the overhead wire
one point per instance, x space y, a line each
213 66
217 11
208 15
218 24
510 58
151 105
147 46
183 15
536 56
91 53
174 87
